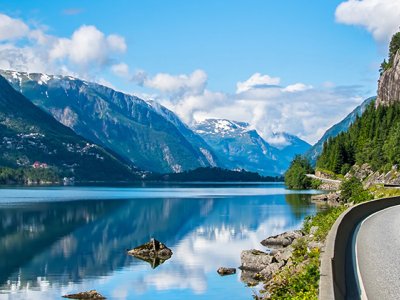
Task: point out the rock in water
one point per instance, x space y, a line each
226 271
93 294
153 252
281 240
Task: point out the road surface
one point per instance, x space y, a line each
377 255
323 179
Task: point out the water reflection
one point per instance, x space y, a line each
60 247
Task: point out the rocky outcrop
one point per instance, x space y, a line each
259 266
281 240
327 181
331 199
322 174
93 294
329 186
360 172
226 271
389 84
153 252
390 178
368 177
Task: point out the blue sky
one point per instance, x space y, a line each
334 53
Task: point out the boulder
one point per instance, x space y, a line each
269 271
93 294
282 240
226 271
255 260
283 255
332 199
153 252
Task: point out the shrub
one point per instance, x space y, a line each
352 191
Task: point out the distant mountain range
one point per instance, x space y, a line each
238 146
29 135
126 124
146 134
313 153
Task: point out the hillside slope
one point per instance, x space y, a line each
374 137
126 124
28 134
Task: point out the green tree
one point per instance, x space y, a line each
295 176
394 47
374 138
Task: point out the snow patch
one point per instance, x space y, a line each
176 168
44 79
209 157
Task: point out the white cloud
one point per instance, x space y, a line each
257 80
380 17
192 84
298 108
121 70
12 28
86 46
31 49
116 43
297 87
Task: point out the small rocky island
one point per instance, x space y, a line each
93 294
153 252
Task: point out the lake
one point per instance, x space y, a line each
61 240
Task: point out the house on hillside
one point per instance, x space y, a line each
39 165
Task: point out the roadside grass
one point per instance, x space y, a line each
324 221
299 279
379 191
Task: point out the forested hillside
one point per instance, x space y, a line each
374 138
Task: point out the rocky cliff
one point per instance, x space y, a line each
389 84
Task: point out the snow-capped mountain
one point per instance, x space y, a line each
239 146
133 128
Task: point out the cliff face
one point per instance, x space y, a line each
389 84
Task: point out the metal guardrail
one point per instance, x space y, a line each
333 277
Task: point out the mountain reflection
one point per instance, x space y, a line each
69 242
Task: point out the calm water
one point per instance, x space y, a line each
55 241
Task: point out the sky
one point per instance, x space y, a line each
280 65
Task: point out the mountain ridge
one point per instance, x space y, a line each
29 134
124 123
239 146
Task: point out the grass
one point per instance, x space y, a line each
378 191
324 221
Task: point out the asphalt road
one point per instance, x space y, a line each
378 255
323 179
